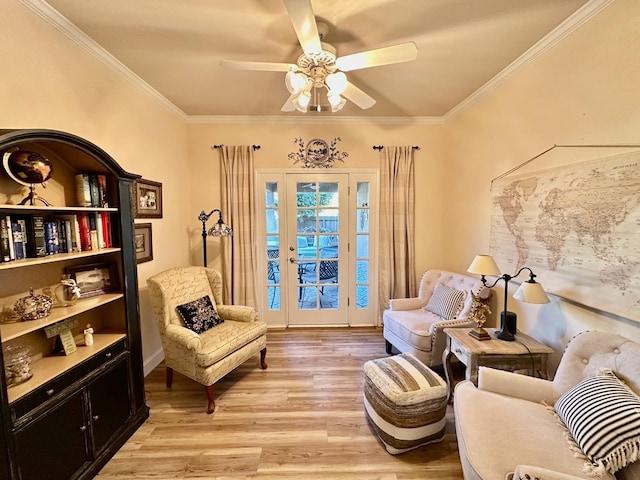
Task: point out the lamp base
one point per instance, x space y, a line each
480 334
508 327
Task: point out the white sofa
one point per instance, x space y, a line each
504 429
411 329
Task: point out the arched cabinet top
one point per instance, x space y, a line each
60 142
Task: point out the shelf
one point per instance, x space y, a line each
44 208
48 368
9 331
58 257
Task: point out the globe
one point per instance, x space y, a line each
27 168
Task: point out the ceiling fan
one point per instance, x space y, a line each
319 67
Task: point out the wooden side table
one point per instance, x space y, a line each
524 353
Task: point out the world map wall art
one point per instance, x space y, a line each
578 227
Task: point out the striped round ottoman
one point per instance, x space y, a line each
405 402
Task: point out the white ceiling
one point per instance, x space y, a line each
176 45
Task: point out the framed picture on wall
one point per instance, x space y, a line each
143 242
147 199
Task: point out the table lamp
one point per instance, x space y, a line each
529 292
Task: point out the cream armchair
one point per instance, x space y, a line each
411 328
210 355
505 428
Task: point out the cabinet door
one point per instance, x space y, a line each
54 446
110 403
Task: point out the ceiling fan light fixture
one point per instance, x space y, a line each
337 83
295 82
336 101
301 102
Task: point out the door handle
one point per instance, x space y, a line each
293 260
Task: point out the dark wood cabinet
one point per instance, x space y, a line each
76 411
109 405
54 446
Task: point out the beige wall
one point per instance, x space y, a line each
585 90
48 81
277 141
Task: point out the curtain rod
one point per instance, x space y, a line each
255 147
380 147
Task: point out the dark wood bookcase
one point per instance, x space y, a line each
77 410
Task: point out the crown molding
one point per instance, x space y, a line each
310 119
57 20
580 17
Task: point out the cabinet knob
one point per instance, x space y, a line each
83 428
108 355
96 418
50 392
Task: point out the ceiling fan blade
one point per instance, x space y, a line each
288 105
260 66
403 52
358 97
304 23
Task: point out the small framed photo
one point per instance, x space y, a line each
147 199
143 242
95 279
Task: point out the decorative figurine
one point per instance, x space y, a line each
88 335
478 313
67 292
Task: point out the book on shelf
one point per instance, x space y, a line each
102 191
83 190
18 240
62 236
91 190
22 224
33 243
4 241
71 232
105 218
99 230
85 232
52 241
12 252
37 235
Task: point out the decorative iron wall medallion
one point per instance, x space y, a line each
317 153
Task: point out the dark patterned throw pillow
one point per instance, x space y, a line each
199 315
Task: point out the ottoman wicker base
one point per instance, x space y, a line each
405 401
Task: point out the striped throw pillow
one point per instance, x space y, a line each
603 416
446 302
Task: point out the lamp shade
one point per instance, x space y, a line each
220 229
301 102
484 265
531 292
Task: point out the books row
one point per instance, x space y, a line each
91 190
31 236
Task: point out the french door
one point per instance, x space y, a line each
317 249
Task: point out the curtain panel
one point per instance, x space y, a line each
397 277
239 259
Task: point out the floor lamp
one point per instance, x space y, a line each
528 292
220 229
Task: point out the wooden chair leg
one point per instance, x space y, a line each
169 377
211 406
263 356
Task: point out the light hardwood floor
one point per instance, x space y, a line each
302 418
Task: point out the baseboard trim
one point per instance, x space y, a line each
153 361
